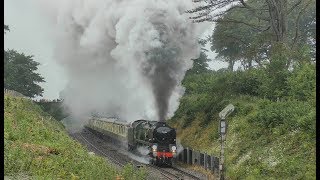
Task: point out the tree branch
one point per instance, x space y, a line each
254 11
297 22
229 20
294 6
238 39
273 19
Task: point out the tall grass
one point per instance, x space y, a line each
36 145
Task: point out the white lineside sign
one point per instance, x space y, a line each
226 111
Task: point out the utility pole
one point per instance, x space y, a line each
223 127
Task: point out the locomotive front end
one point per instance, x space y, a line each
163 145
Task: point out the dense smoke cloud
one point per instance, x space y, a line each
125 58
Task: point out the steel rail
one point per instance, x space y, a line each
106 155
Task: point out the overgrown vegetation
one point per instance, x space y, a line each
56 109
271 134
37 146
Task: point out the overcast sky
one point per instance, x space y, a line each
31 33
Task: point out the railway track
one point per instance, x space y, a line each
175 173
104 154
186 174
170 173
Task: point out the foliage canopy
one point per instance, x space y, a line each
19 73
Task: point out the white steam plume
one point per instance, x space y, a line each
126 58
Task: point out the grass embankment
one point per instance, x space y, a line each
37 146
265 139
271 134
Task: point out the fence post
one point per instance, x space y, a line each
194 157
217 162
205 161
185 155
188 155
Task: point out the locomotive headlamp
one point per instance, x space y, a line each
174 148
154 147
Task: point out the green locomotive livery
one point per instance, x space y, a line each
158 137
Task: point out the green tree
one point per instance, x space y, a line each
200 64
273 12
239 42
20 75
248 29
19 72
239 38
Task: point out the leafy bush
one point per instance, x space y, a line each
266 139
189 117
274 84
302 82
245 82
291 114
55 109
271 133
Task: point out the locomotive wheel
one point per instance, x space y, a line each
156 162
152 161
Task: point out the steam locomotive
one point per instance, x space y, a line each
158 137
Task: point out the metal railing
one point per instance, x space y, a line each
17 94
193 157
48 100
14 93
